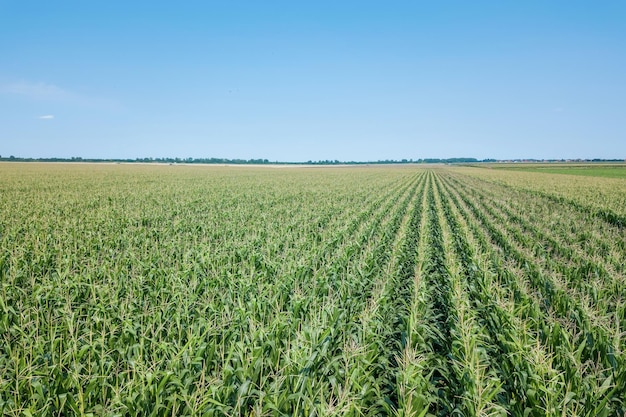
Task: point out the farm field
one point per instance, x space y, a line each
135 290
608 170
605 197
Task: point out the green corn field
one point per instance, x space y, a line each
156 290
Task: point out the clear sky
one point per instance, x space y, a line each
315 80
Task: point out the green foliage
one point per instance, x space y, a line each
129 290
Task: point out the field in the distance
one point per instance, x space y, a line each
607 170
138 290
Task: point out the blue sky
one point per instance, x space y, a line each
297 81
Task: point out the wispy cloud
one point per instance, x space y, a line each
38 91
47 117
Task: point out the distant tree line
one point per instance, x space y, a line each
143 160
246 161
310 162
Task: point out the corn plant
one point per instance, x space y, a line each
156 290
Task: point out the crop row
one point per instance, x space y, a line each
160 290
